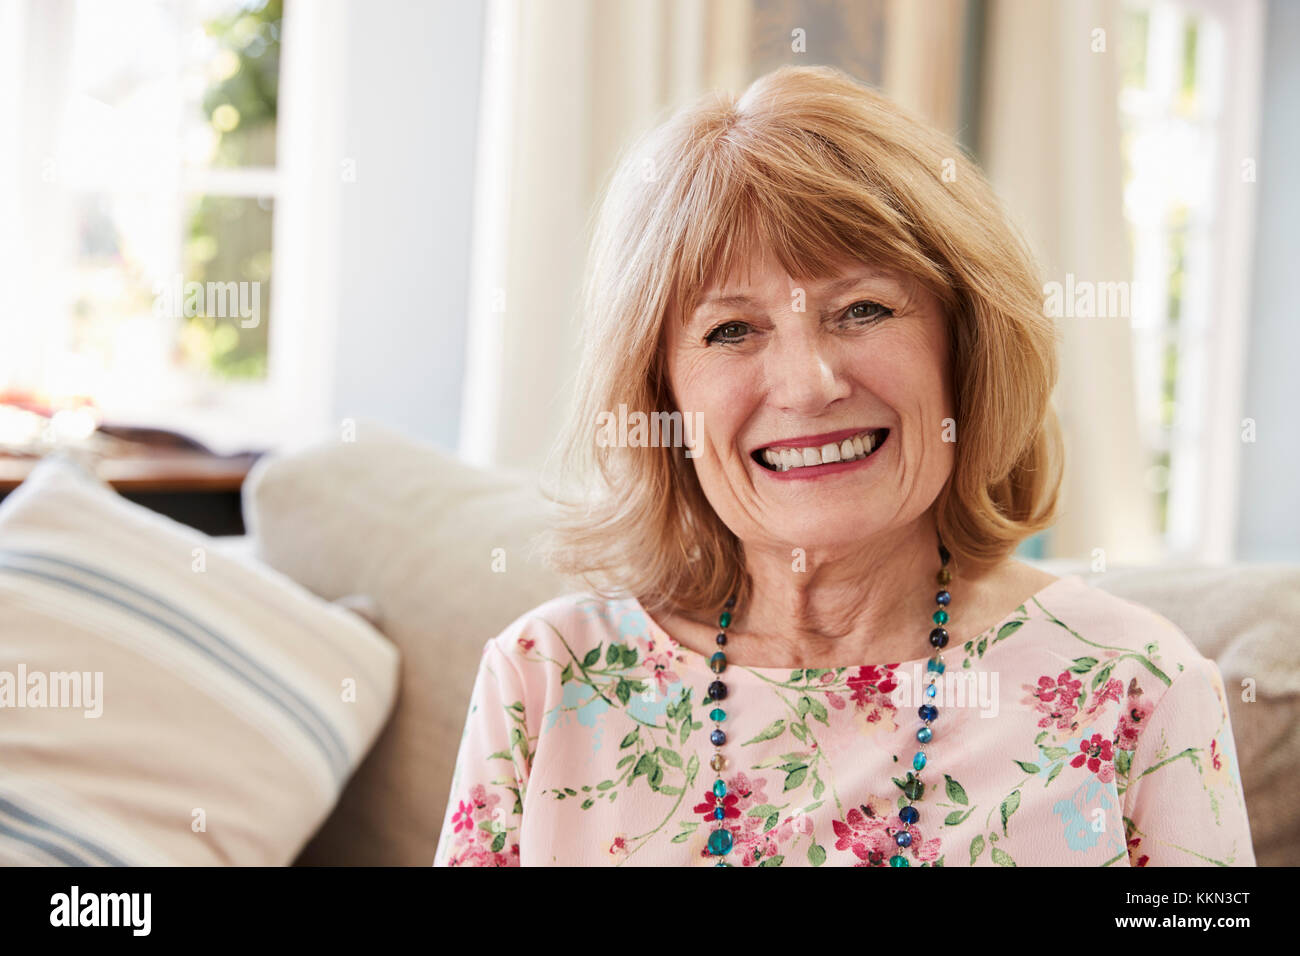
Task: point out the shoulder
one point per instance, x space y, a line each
567 626
1115 620
1091 625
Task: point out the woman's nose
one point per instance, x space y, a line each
804 374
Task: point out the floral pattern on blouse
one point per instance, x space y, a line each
1081 730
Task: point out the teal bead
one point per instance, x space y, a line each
936 666
898 861
925 734
718 714
720 842
719 789
941 616
725 619
718 662
918 762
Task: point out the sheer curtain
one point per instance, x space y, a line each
566 83
34 58
1050 144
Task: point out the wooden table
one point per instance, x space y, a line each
194 487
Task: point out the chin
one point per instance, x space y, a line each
833 531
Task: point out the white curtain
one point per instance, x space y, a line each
566 84
35 51
1050 143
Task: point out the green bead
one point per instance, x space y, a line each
918 762
941 616
914 789
718 714
725 620
898 861
718 662
720 842
719 789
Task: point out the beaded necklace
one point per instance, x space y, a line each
720 839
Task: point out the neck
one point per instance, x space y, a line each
868 603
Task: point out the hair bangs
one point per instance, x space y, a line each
736 211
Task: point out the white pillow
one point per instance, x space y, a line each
219 707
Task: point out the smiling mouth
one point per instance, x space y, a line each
850 449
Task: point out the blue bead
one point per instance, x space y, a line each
930 691
918 762
928 711
719 788
924 735
904 838
909 815
943 597
718 738
936 666
720 842
719 813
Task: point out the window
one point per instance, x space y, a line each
1187 103
147 194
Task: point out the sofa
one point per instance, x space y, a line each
436 555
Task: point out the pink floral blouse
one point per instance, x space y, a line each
1082 730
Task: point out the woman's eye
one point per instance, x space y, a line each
866 312
727 332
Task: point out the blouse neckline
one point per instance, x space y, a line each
696 659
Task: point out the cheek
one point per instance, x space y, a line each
718 397
907 373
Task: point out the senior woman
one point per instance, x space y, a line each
801 639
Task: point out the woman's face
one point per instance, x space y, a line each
778 371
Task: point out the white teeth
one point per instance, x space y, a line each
783 459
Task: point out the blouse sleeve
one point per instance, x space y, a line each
1184 804
484 810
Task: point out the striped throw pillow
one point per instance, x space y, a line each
160 702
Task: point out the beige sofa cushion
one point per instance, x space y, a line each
442 551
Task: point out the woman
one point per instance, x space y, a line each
803 640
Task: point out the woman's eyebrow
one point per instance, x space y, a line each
839 285
832 287
733 299
724 301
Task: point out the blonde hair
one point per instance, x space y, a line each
814 166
